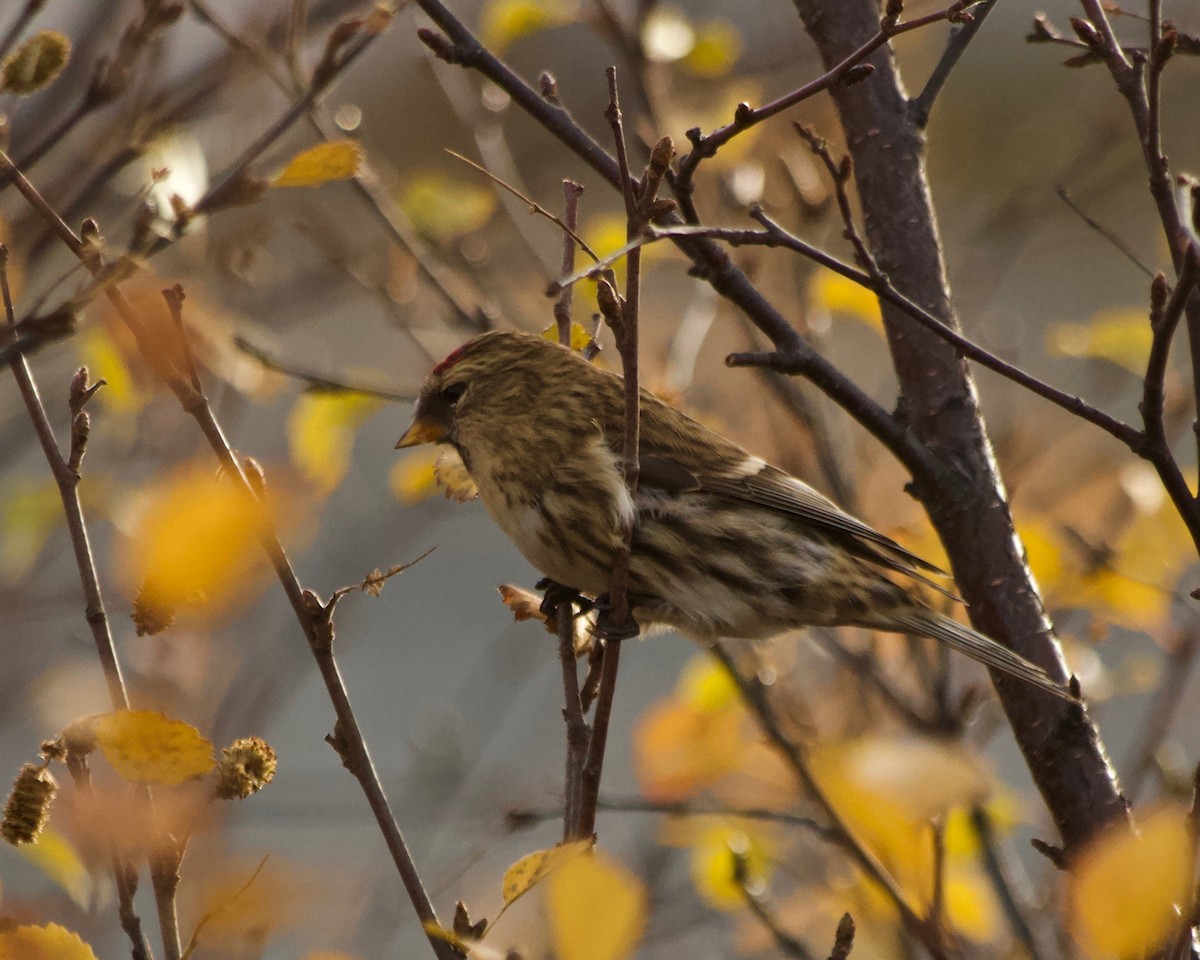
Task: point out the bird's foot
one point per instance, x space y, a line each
606 629
555 594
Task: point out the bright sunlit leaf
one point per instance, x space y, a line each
321 429
35 63
533 868
717 48
177 170
50 942
194 545
580 338
504 21
727 861
144 746
706 685
667 34
831 293
445 207
1120 336
337 160
679 748
412 478
597 909
105 361
57 857
1125 886
29 512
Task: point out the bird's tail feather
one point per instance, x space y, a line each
980 648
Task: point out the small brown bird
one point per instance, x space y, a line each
724 544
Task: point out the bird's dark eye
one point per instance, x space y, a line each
453 392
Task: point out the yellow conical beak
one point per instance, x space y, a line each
421 431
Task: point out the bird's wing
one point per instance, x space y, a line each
753 481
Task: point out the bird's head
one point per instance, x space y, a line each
490 384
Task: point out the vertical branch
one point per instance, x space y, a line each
578 733
66 477
617 622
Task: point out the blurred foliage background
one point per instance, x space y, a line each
365 280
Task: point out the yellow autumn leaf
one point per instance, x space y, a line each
35 63
1120 336
580 338
969 902
144 746
31 510
679 748
831 293
105 361
597 909
718 46
533 868
718 852
57 857
194 544
1125 886
443 207
504 21
320 431
50 942
888 790
706 685
412 478
337 160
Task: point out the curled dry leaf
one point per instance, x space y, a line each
525 604
451 473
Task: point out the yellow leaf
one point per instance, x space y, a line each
35 63
706 685
918 777
831 293
104 360
597 910
56 857
533 868
679 748
580 338
148 747
1122 337
50 942
503 21
1125 886
321 430
970 902
717 48
337 160
32 509
444 208
195 543
715 856
412 477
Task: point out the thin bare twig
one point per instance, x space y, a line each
745 117
316 380
66 478
534 206
315 619
18 25
617 620
1164 703
961 35
1107 234
578 731
755 697
522 816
